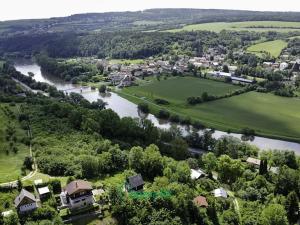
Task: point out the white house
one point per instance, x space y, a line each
220 192
283 66
25 202
77 195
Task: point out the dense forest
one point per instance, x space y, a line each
128 45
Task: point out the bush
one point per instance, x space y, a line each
102 89
161 101
163 114
175 118
144 107
56 186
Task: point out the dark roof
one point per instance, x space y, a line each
24 194
135 181
78 185
200 201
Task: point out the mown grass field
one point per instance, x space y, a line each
177 89
126 61
10 164
274 48
269 115
257 26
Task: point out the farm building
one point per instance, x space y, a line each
241 80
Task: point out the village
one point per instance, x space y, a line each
212 63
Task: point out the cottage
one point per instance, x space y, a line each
77 195
44 193
253 161
25 202
134 183
200 201
220 192
196 174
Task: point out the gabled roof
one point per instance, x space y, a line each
24 195
135 181
78 185
200 201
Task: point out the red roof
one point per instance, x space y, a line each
200 201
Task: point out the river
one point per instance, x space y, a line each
125 108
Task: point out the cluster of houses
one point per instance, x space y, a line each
283 65
79 194
122 75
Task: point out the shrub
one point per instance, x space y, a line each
163 114
143 107
161 101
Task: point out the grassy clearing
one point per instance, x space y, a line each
147 23
295 37
126 61
46 178
92 220
11 163
269 115
177 89
274 48
257 26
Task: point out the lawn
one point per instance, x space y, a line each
11 163
274 48
126 61
257 26
177 89
269 115
46 178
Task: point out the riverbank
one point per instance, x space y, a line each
247 110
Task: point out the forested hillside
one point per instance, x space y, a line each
152 19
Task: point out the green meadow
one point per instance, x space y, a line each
274 48
257 26
11 163
269 115
177 89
